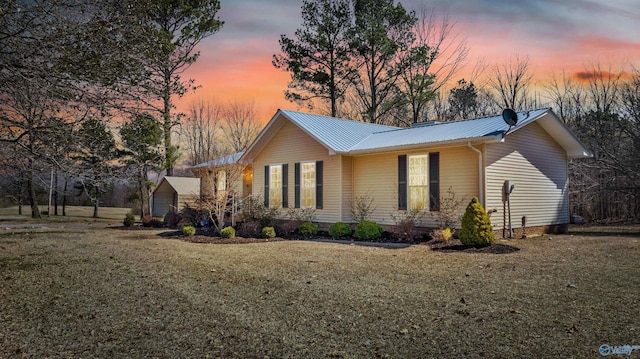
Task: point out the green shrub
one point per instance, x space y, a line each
308 229
228 232
339 229
367 230
476 226
188 230
268 232
129 220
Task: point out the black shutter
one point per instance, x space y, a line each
266 186
434 181
296 174
402 182
285 185
319 184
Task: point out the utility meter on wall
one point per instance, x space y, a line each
507 189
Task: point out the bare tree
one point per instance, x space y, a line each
224 187
241 125
603 86
202 130
435 56
511 83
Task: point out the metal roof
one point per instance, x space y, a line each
337 134
354 137
232 158
475 129
183 185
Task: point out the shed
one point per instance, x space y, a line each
174 193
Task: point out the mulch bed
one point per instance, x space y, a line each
452 246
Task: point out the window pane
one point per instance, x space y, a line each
418 182
418 197
275 186
308 185
418 170
222 181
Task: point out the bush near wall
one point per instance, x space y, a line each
339 229
367 230
476 226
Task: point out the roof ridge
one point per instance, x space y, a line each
488 116
340 119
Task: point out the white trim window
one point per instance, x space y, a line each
418 168
275 186
308 184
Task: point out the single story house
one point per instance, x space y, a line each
174 193
303 160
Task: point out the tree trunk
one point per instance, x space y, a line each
142 199
33 202
64 197
95 208
55 194
168 149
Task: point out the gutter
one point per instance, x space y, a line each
480 174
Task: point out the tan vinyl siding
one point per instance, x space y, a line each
538 165
291 145
377 176
347 188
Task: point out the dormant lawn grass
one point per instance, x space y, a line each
115 293
73 214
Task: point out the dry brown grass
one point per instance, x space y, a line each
111 293
73 214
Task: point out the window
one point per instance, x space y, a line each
418 182
221 185
275 186
308 184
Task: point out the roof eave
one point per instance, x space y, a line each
415 146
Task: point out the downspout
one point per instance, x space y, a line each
480 174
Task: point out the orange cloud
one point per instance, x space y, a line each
587 76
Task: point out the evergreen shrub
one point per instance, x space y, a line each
228 232
367 230
339 229
476 226
308 229
268 232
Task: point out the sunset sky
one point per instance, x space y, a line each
555 35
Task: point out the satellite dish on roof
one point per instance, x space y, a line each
510 117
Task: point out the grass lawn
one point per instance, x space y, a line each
116 293
74 214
